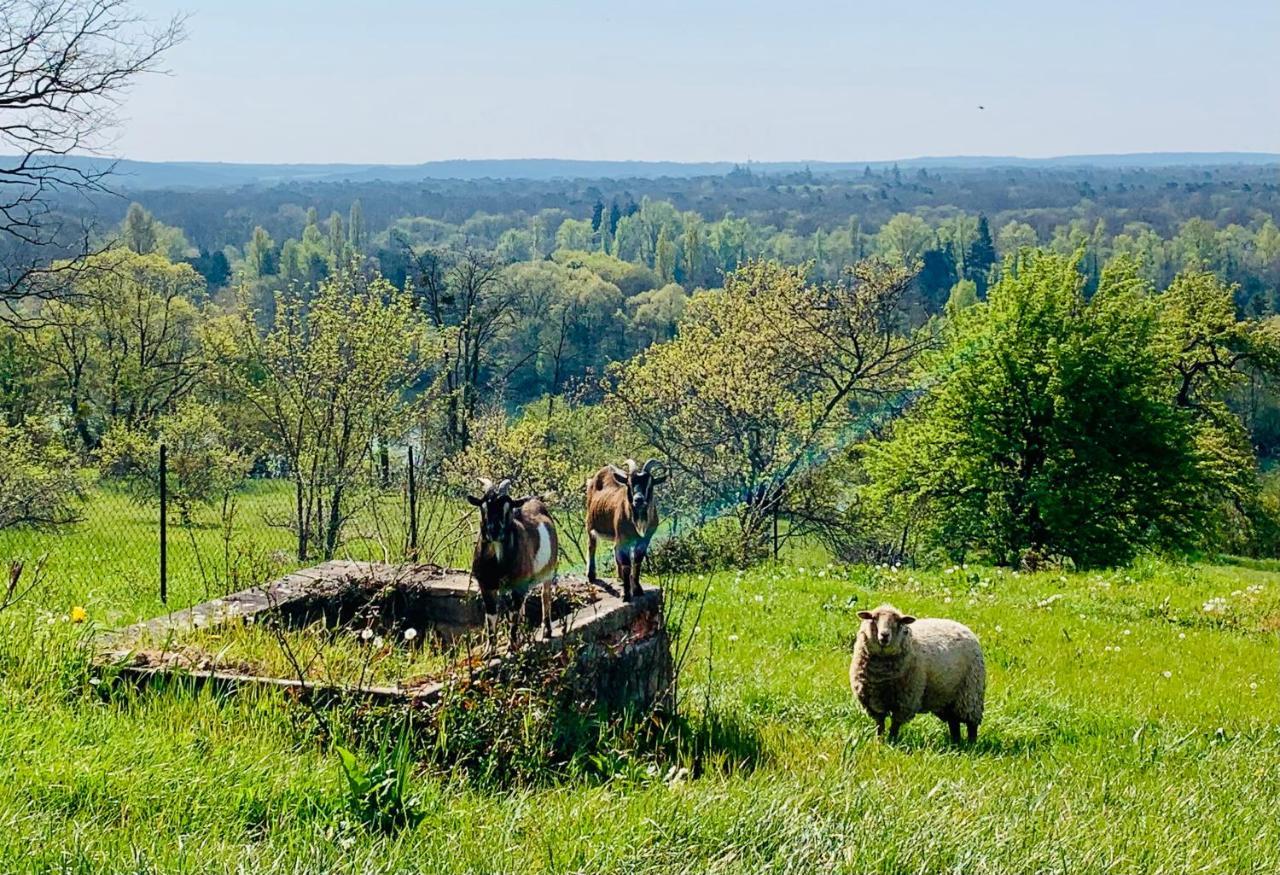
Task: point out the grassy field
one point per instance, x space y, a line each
1133 726
109 563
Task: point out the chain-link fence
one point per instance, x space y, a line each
132 552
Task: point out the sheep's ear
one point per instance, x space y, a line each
906 621
866 615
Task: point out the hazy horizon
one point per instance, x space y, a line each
407 83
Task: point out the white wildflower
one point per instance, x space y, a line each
1167 674
366 634
733 637
410 634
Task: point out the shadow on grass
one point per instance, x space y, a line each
923 737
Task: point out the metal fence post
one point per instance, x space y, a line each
413 509
164 523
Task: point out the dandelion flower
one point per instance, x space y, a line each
1182 635
1215 606
366 634
410 634
1128 632
1167 674
1253 686
79 614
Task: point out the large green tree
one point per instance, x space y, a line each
762 380
1050 426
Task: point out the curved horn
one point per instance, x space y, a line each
657 470
504 486
631 466
486 483
618 474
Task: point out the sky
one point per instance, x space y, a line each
392 81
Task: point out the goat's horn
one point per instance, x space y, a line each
649 465
504 486
631 466
486 483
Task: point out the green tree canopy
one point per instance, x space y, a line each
1049 426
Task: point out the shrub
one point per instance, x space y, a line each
39 481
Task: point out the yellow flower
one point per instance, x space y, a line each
79 614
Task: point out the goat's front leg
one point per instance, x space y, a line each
623 558
490 622
637 560
547 586
591 555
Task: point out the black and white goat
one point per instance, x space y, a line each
516 549
620 508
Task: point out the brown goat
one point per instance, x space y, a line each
517 548
620 508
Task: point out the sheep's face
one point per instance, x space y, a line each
885 629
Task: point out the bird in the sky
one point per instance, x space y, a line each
980 106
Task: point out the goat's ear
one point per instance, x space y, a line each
476 501
906 621
866 615
619 474
517 502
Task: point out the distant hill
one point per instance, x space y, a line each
140 175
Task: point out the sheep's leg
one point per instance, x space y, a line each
971 730
953 726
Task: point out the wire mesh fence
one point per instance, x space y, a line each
148 550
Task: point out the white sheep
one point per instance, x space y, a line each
903 666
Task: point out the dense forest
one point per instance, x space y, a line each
535 327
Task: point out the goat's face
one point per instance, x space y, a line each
885 629
496 508
639 483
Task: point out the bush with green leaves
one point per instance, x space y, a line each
1055 425
203 466
39 480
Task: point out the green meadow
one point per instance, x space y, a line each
1133 724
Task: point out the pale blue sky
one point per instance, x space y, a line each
402 82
